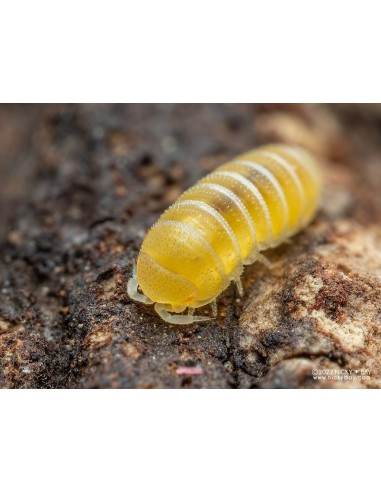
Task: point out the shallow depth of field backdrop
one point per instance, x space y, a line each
81 184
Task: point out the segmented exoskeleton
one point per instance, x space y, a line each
200 244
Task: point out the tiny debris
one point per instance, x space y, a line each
169 144
45 290
189 371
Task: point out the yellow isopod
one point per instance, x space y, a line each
200 244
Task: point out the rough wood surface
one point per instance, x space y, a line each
80 185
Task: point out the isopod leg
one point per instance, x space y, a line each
262 259
132 288
214 307
178 319
239 286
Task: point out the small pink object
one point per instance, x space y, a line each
189 371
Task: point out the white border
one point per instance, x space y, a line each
189 440
199 51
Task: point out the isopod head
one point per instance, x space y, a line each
178 267
163 286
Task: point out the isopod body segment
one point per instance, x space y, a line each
200 244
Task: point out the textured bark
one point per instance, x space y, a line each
80 186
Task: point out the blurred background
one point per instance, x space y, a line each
77 164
